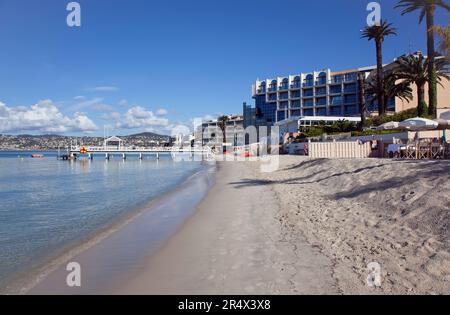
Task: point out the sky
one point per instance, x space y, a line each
143 65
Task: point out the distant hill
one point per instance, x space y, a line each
53 142
146 135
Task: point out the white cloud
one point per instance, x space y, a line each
42 117
103 89
139 117
123 103
161 112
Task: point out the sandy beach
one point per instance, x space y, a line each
312 227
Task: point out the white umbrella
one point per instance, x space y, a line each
392 125
445 115
418 124
443 123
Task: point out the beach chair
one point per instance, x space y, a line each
424 151
411 150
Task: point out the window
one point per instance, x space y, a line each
322 80
308 92
351 110
309 80
284 105
350 77
273 86
262 88
295 104
335 89
335 111
296 83
321 91
281 115
284 96
350 88
337 78
320 101
295 94
308 112
308 103
295 113
336 100
350 99
272 97
285 84
321 111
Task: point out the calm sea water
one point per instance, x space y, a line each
47 205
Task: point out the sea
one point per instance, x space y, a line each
48 206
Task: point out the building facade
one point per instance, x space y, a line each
210 133
319 93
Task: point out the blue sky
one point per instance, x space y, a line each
141 65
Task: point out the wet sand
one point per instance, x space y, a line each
312 227
235 244
114 255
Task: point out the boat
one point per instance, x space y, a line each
37 156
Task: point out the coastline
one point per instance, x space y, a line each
312 227
39 279
235 244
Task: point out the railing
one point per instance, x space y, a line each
137 150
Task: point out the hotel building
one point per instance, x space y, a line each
321 93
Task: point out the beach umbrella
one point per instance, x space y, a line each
419 124
444 124
445 115
392 125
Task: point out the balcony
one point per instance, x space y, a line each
296 85
284 87
295 104
321 82
308 93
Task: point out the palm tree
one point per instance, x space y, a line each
444 33
413 69
222 123
427 9
362 99
392 88
378 34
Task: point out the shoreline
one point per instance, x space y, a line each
28 282
312 227
235 244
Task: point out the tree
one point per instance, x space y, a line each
444 33
362 99
378 33
222 123
413 69
427 9
392 88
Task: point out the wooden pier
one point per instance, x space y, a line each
75 152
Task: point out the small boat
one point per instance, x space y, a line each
37 156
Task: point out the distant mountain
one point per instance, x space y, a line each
147 135
52 142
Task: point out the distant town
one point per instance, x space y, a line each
55 142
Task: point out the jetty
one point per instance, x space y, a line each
114 146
